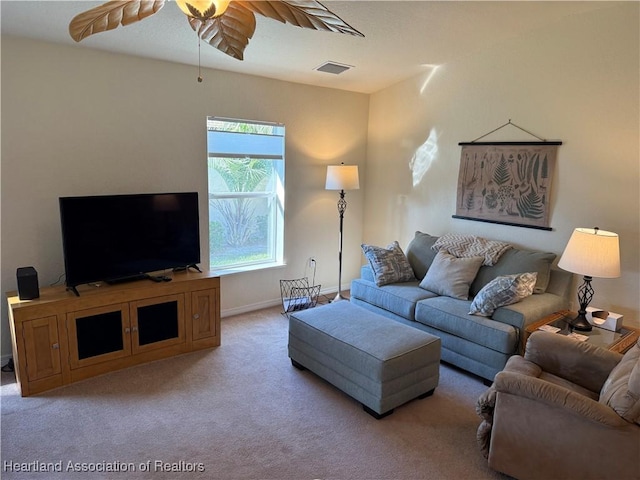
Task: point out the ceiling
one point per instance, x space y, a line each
402 38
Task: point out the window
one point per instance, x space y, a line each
246 192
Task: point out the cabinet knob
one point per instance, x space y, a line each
55 346
127 330
135 329
196 316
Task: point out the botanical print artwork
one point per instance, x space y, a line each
506 182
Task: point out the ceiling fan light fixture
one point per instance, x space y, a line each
222 24
203 9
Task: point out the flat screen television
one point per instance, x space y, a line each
115 238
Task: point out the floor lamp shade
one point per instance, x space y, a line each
341 177
591 252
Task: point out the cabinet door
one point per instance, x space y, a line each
41 347
157 322
99 335
204 314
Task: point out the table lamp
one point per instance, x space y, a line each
341 177
593 253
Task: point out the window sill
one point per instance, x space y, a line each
247 268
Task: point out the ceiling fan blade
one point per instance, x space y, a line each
301 13
111 14
229 33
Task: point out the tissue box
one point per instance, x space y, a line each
603 319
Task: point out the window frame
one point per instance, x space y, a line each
274 195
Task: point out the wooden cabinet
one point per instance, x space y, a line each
204 308
42 348
98 335
60 338
157 323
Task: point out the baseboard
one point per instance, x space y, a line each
229 312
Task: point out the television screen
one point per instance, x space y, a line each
118 237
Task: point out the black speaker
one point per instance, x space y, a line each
27 283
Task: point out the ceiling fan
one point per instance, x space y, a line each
225 24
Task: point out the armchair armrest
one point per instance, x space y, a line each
579 362
557 396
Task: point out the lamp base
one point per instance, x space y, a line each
581 323
585 294
338 297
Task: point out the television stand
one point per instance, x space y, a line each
61 338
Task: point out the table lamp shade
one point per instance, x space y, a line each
342 177
593 253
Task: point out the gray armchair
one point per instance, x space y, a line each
566 410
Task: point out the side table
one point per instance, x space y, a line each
619 341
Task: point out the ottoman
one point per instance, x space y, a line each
376 360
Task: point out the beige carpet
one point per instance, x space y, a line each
240 411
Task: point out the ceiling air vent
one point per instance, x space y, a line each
333 67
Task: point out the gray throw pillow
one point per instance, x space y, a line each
451 276
502 291
389 265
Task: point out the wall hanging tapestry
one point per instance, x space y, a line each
506 182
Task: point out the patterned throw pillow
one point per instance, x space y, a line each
501 291
389 265
466 246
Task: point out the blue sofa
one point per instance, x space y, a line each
478 344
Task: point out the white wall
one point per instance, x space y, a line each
83 122
576 81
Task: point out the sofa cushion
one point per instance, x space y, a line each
399 298
450 316
501 291
517 261
420 254
530 309
451 276
389 265
621 390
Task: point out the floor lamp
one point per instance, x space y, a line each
591 252
341 177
